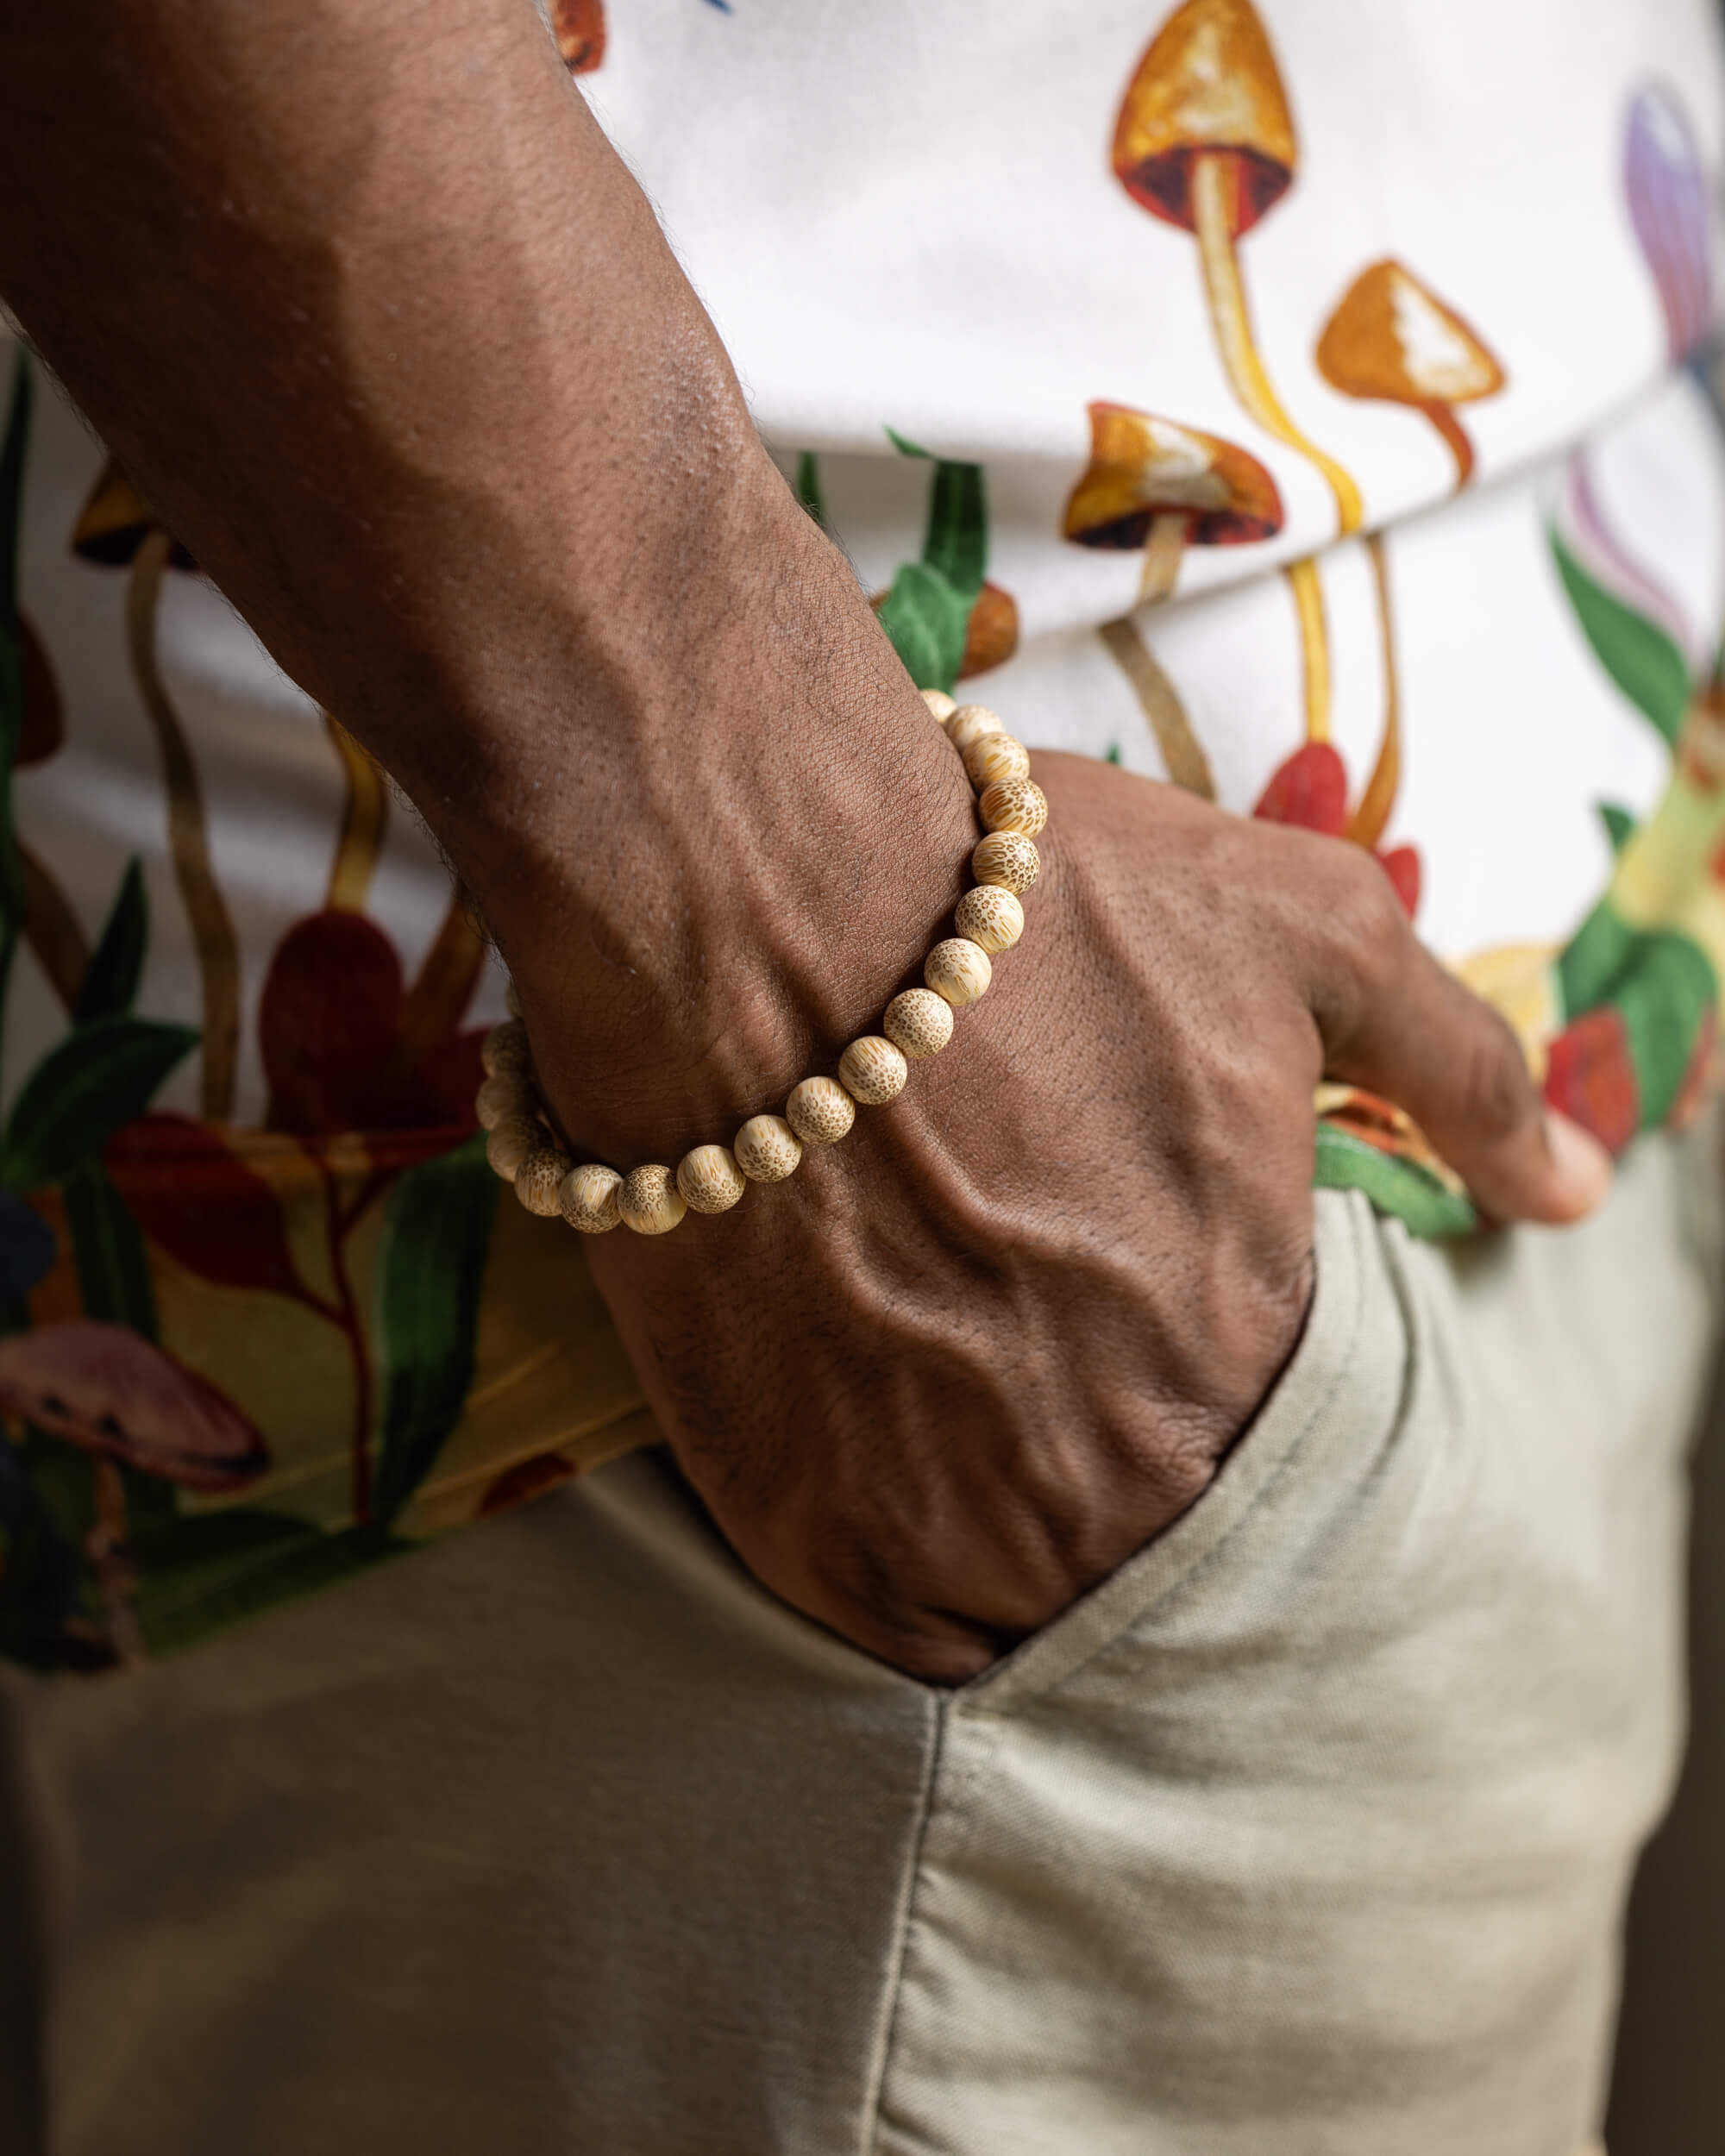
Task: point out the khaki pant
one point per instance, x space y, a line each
1307 1834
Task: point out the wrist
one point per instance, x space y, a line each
751 864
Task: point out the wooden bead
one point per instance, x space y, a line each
650 1201
767 1149
958 970
504 1050
539 1179
919 1023
990 916
588 1198
710 1179
508 1093
941 705
970 723
872 1071
1009 859
1014 805
995 757
511 1141
820 1110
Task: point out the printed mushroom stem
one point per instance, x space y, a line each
1165 549
365 816
1366 825
1216 180
1183 753
1455 436
1307 586
212 927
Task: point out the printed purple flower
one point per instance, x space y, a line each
1667 188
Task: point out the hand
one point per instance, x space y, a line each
961 1366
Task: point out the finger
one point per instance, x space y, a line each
1395 1022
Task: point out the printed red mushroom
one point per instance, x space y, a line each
1154 484
103 1389
1392 340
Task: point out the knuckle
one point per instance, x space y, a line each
1497 1095
1364 923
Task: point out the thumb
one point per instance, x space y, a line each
1394 1021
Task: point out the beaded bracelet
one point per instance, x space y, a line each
522 1146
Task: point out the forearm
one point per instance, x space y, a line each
364 302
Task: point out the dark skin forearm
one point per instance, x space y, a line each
361 298
366 306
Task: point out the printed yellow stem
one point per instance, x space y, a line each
1366 826
52 929
212 929
1666 858
1182 754
433 1007
1165 549
365 813
1307 588
1213 184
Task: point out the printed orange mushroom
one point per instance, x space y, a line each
1393 339
1154 484
1205 140
579 28
104 1388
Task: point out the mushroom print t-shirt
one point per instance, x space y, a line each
1308 405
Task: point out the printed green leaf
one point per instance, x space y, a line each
904 447
105 1072
1619 824
1643 661
926 619
108 1251
1428 1208
1593 959
112 980
437 1236
199 1572
1663 1000
958 540
808 487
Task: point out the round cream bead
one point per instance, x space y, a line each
710 1179
919 1023
767 1149
1009 859
970 723
650 1201
1014 805
995 757
990 916
958 970
539 1179
820 1110
588 1198
511 1141
504 1050
940 705
872 1071
508 1093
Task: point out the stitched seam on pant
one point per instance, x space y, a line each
886 2024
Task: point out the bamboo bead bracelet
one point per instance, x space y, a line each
523 1148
